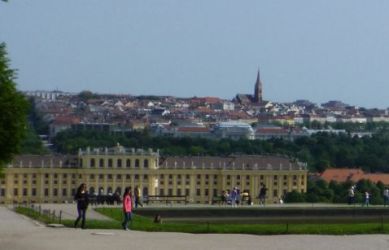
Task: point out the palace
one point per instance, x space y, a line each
55 178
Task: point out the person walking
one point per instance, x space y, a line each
127 207
233 196
351 195
262 195
137 197
82 200
386 196
367 199
238 197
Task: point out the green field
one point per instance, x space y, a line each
142 223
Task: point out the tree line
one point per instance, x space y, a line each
320 151
334 192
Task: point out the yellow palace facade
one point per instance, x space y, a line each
55 178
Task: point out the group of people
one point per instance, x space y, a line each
81 197
235 197
366 196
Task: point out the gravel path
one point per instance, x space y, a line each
18 233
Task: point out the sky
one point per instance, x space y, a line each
316 50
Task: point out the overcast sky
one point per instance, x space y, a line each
317 50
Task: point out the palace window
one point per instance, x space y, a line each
92 162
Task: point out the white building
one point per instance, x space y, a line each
234 130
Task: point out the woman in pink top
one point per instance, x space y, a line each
127 207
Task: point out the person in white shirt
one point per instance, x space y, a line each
386 196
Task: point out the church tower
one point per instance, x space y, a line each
258 90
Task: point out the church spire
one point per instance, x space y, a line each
258 89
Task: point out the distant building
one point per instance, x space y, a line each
55 178
234 130
270 132
258 90
274 132
47 95
194 132
62 123
329 131
257 98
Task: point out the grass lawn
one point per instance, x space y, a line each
141 223
146 224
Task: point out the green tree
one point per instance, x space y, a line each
294 196
13 110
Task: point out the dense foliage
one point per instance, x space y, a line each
320 151
333 192
32 143
13 110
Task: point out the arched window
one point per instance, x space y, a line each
128 163
92 163
137 163
110 163
146 163
101 163
119 163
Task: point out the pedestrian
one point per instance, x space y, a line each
367 199
386 196
127 207
262 195
82 200
137 197
351 195
223 197
238 197
233 196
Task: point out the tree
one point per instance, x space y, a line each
294 197
13 110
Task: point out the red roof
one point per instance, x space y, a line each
354 175
208 99
66 120
193 129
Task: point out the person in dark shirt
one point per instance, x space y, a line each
81 198
262 195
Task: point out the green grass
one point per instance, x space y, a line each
34 215
141 223
146 224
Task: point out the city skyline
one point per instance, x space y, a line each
305 50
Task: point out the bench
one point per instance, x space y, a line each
168 199
218 200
